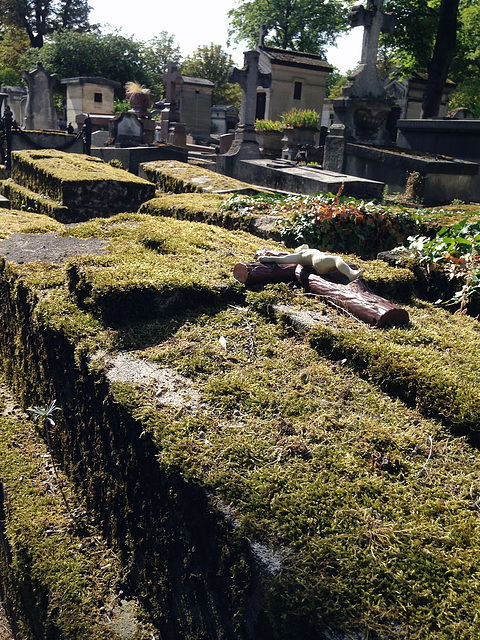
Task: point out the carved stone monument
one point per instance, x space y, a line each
363 114
366 81
126 130
40 111
245 143
171 129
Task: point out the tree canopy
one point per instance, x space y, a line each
439 37
113 56
14 43
298 25
212 62
40 18
156 54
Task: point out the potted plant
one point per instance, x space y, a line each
299 129
269 136
139 96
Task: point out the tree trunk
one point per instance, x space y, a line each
442 56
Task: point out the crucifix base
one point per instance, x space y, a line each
242 148
366 120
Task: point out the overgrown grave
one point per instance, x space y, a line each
256 480
171 176
72 187
58 576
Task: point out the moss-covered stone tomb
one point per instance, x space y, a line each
186 457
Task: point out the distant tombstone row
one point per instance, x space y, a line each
34 109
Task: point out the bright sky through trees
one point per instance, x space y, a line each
194 23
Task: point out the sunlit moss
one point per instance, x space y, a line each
172 176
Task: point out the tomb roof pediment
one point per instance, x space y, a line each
200 81
297 59
91 80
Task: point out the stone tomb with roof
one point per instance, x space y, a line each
195 99
93 96
298 80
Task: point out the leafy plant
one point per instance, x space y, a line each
328 222
300 118
45 414
268 125
456 250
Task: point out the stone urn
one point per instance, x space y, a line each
296 137
140 101
270 143
139 97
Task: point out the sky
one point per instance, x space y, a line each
195 23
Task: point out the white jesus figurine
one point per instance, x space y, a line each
322 262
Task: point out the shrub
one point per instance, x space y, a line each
268 125
300 118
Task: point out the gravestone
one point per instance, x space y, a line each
171 129
249 78
245 143
126 130
366 82
363 114
40 111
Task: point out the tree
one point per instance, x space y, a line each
465 66
40 18
410 46
335 83
113 56
425 40
13 45
298 25
442 56
212 62
156 54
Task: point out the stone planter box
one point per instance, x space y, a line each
295 138
270 143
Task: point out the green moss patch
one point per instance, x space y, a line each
21 221
85 185
156 265
197 207
59 578
172 176
429 364
364 509
312 482
25 199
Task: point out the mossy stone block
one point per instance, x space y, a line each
180 177
87 186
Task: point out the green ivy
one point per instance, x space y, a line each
455 250
331 223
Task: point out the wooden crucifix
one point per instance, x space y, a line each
355 296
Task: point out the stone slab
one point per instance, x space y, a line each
48 247
4 202
132 157
286 176
444 179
